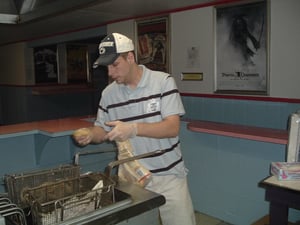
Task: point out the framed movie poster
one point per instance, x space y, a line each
45 64
241 49
77 63
153 43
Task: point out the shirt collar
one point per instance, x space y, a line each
144 78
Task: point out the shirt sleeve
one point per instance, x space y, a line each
102 116
171 99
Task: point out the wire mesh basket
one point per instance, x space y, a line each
54 202
17 183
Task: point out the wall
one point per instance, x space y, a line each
195 28
16 60
284 33
224 172
285 49
12 62
36 150
223 180
17 79
244 112
19 104
224 175
126 27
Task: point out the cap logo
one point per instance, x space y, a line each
102 50
107 44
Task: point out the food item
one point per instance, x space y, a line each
81 132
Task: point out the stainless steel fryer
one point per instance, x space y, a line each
59 194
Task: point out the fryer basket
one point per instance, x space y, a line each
17 183
62 200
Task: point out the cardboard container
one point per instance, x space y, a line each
285 170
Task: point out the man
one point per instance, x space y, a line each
144 107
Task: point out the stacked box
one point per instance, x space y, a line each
286 170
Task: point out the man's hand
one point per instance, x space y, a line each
121 131
83 136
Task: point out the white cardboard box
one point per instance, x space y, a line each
285 170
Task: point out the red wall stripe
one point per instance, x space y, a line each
241 97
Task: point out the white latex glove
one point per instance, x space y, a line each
83 136
121 131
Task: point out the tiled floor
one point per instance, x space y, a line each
202 219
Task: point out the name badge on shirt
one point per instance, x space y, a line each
153 106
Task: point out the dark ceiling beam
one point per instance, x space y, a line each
32 10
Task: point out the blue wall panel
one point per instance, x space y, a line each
244 112
17 154
225 172
35 150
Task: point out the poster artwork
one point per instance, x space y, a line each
45 64
77 63
242 48
152 49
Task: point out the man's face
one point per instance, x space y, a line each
119 70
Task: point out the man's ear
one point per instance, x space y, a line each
130 57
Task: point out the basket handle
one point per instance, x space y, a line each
89 152
112 164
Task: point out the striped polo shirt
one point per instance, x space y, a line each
156 97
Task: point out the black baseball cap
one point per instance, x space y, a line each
111 47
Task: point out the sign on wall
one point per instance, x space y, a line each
77 63
45 64
241 49
153 43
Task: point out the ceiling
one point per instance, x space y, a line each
30 19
